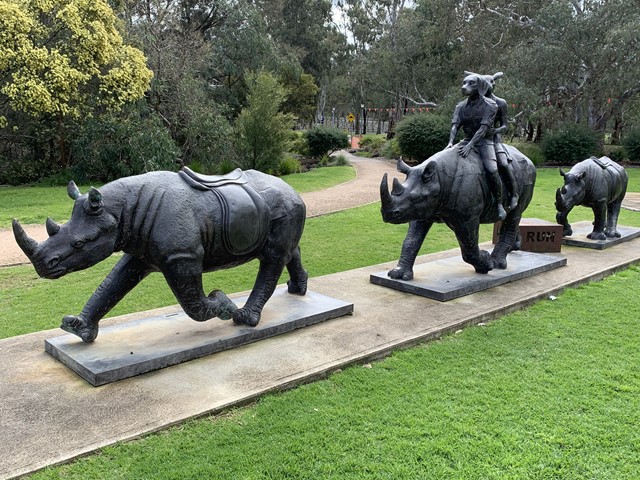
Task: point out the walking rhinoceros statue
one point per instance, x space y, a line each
450 189
181 224
599 183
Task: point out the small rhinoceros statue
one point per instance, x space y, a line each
599 183
181 224
447 188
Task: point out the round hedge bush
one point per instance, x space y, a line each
570 143
420 136
325 140
631 145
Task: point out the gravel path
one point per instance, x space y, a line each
360 191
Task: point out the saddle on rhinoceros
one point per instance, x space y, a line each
245 214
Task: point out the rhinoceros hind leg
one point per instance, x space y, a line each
245 316
226 308
596 236
484 263
297 285
499 260
271 268
400 273
80 327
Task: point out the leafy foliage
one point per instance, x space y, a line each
631 144
569 144
113 146
66 58
325 140
262 129
420 136
372 143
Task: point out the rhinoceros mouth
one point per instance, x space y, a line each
55 273
391 216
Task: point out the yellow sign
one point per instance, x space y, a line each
351 118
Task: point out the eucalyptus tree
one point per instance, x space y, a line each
580 57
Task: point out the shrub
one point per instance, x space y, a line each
113 146
298 143
325 140
531 150
341 161
569 144
372 143
391 149
617 154
289 165
631 145
262 129
420 136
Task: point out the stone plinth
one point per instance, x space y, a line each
582 229
151 343
451 278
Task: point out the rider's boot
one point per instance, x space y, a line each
512 186
495 184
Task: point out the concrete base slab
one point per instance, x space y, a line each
582 229
150 343
49 415
451 277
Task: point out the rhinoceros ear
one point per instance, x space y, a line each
581 175
93 204
72 190
429 171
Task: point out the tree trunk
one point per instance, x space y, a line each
616 135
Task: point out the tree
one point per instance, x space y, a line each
262 129
64 60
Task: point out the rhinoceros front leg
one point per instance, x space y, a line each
268 274
467 235
509 232
613 210
126 274
186 285
599 221
561 219
410 247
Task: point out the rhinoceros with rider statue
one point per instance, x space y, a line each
598 183
461 187
180 224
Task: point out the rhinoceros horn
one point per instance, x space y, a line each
385 196
72 190
403 167
397 189
26 243
562 172
52 227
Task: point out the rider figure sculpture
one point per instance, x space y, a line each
504 162
477 117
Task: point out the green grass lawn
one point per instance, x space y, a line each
552 391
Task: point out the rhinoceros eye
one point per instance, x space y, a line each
78 244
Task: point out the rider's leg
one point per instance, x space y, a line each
493 178
509 178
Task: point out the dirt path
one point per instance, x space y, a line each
360 191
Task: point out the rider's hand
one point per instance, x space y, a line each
464 150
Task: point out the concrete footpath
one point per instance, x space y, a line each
49 415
